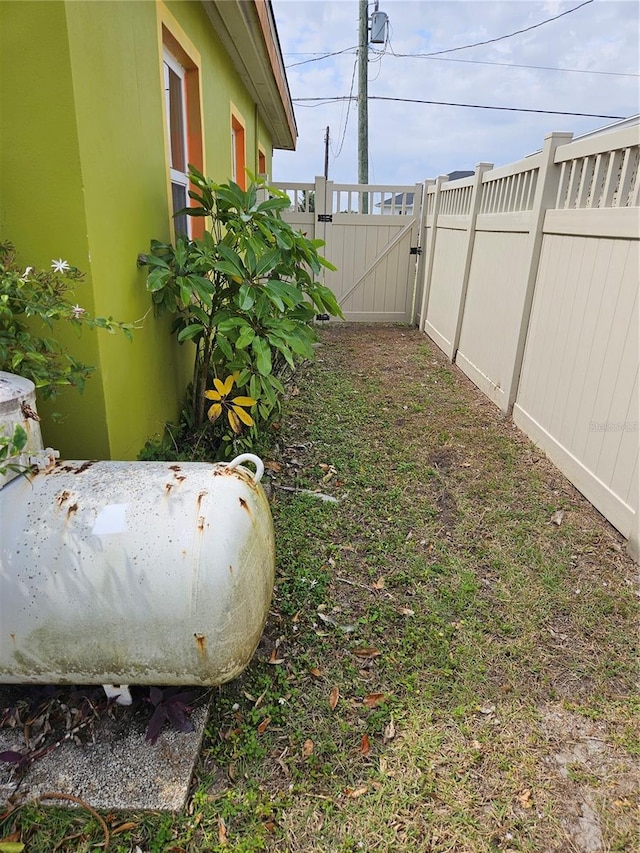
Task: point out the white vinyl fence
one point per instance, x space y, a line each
529 281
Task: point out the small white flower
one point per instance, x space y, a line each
282 701
26 274
78 311
235 707
60 265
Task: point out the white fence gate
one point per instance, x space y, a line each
369 233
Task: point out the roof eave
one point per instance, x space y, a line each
248 32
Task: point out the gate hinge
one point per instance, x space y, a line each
325 217
415 250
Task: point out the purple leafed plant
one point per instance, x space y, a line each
169 706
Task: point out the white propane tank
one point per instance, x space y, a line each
18 407
134 572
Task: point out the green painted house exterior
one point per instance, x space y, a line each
84 174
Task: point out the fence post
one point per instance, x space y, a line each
544 198
476 198
430 247
422 224
323 202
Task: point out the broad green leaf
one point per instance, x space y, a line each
190 332
245 337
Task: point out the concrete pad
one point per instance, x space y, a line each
119 770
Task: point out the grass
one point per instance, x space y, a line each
458 672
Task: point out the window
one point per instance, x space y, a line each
175 105
183 118
238 160
262 161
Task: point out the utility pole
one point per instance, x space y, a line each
326 154
363 104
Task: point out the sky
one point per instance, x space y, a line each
409 142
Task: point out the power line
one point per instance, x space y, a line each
327 55
450 49
324 101
508 35
513 65
346 122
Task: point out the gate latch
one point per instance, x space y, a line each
325 217
415 250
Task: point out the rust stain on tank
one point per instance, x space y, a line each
230 570
180 478
244 505
83 467
73 508
201 643
62 497
168 487
201 495
13 638
175 468
200 522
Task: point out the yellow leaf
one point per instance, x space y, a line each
263 725
214 412
212 395
245 417
315 672
244 401
228 385
234 421
307 748
11 846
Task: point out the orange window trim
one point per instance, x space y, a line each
239 153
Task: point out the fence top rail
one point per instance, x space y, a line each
626 137
460 183
528 164
372 188
292 185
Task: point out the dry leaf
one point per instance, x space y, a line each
366 652
307 748
487 709
524 798
374 699
333 698
353 793
383 765
365 745
274 659
271 465
389 730
557 517
263 725
407 611
379 584
315 672
222 831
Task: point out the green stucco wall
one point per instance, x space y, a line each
83 177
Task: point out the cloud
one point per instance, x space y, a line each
409 142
